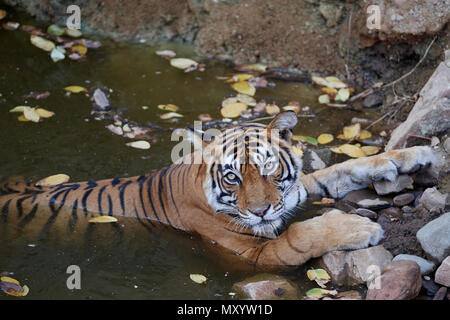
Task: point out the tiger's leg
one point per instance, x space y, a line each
302 241
336 181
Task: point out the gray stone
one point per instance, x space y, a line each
425 266
400 280
431 113
266 287
355 267
331 12
434 237
432 198
316 162
373 100
403 199
374 204
442 275
387 187
365 213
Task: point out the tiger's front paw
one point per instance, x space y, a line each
350 232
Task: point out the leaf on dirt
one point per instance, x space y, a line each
166 53
42 43
2 14
233 110
352 151
325 138
319 275
342 95
319 293
198 278
53 180
272 109
31 114
75 89
55 30
352 132
168 107
364 134
329 91
324 99
244 87
183 63
74 33
240 77
370 150
170 115
329 82
103 219
141 144
43 113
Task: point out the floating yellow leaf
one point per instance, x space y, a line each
168 107
352 132
75 89
53 180
26 290
329 82
2 14
229 100
22 118
324 99
44 113
31 114
233 110
296 109
250 101
256 67
170 115
74 33
329 91
370 150
80 49
319 293
272 109
103 219
336 150
198 278
240 77
364 134
244 87
19 109
325 138
42 43
297 151
182 63
141 144
342 95
352 151
10 280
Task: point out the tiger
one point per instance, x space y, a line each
239 205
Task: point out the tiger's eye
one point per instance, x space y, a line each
231 176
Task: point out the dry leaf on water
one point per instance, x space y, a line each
103 219
233 110
319 275
2 14
244 87
168 107
198 278
53 180
182 63
42 43
325 138
75 89
170 115
141 144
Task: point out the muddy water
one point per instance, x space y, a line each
142 266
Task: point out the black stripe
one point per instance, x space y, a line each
74 218
99 199
122 194
161 177
29 217
5 210
84 200
19 205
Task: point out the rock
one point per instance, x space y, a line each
446 144
373 100
432 198
359 197
424 179
403 199
429 287
391 212
434 237
386 187
431 113
346 295
331 12
442 275
346 205
312 162
399 280
425 265
440 295
266 287
365 213
354 267
374 204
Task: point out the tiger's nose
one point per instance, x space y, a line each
261 211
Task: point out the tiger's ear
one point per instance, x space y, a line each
284 122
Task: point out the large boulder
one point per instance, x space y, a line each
400 280
431 113
442 275
432 198
355 267
434 237
425 265
266 287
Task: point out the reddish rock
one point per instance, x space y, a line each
440 295
442 275
266 287
400 280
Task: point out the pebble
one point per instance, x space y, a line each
403 199
365 213
373 100
425 265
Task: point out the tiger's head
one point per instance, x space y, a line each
253 175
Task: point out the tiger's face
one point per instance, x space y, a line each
254 175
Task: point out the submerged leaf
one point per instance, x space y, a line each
240 77
10 280
19 109
272 109
352 151
166 53
103 219
310 140
352 132
141 144
325 138
182 63
75 89
80 49
364 134
53 180
42 43
55 30
370 150
198 278
244 87
57 54
170 115
319 293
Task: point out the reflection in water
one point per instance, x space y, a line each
114 262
